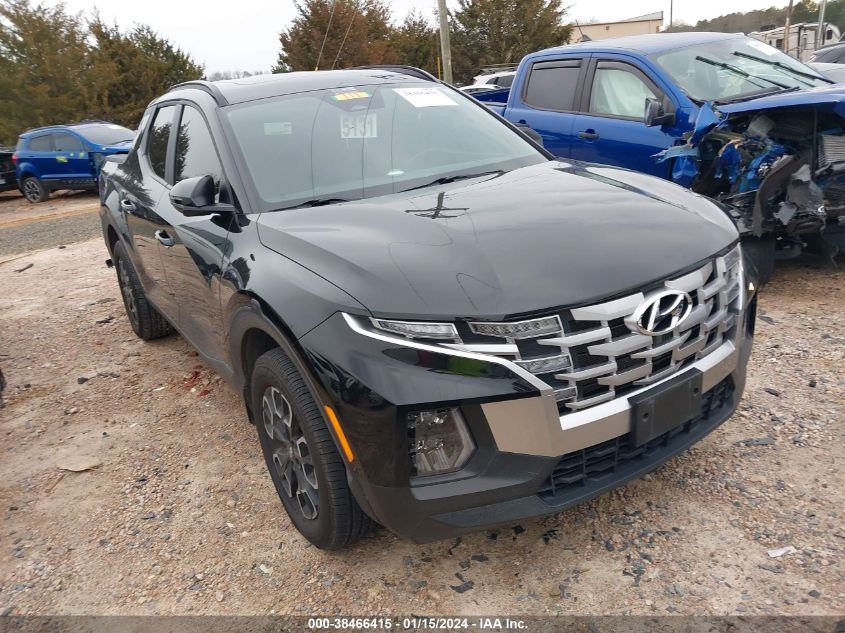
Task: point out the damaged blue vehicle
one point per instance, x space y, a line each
722 114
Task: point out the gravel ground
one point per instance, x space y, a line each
67 217
131 483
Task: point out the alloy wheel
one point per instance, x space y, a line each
31 191
291 454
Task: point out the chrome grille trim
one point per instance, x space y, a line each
611 358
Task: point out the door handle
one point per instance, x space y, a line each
588 135
127 205
164 239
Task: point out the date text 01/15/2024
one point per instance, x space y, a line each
415 623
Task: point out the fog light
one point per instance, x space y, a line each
439 441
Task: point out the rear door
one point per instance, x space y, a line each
549 100
72 157
193 247
611 128
139 192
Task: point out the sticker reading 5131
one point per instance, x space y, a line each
358 125
425 97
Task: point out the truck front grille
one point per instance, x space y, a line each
591 355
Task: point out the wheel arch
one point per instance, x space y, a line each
25 172
254 328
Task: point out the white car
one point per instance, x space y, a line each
490 81
834 72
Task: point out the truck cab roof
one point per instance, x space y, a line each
645 44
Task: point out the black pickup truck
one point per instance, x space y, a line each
8 181
433 323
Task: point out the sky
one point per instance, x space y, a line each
243 35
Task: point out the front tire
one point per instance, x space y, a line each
307 470
145 320
33 190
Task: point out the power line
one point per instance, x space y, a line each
326 35
343 41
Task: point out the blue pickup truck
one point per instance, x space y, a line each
722 114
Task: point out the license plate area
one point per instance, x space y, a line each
662 408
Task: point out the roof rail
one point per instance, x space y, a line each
419 73
205 86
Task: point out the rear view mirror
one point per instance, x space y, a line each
655 113
195 196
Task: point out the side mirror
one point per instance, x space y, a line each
655 114
195 196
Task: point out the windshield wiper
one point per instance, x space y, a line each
755 95
740 72
445 180
781 65
316 202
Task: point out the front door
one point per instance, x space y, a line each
612 129
73 158
193 247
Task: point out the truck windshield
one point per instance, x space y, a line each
735 69
327 146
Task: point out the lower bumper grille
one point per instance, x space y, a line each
578 473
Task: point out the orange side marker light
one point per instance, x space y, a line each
341 436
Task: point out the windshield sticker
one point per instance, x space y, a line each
349 96
278 128
424 97
762 47
358 125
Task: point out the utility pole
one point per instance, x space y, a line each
671 2
786 29
445 47
820 30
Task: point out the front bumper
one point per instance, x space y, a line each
530 461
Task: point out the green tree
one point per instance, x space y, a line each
44 67
487 32
416 43
806 11
131 69
57 68
336 34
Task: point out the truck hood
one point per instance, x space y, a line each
551 235
830 98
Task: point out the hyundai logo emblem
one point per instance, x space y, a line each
661 312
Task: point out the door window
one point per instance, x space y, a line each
505 82
195 153
64 142
41 143
619 92
159 138
552 85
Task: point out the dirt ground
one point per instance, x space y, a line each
172 512
67 217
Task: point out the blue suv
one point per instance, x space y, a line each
66 156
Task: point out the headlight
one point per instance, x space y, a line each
418 329
439 441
